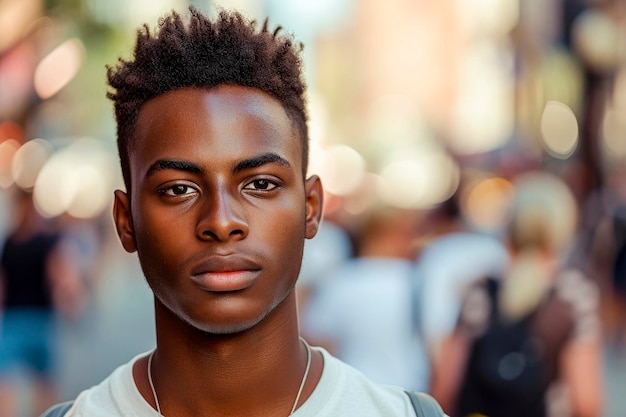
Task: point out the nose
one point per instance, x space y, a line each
222 218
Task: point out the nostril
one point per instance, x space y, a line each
217 236
209 234
222 218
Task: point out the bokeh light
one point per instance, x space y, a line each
484 113
342 169
497 17
76 180
28 161
366 196
485 202
58 68
614 135
14 18
419 181
8 149
559 129
598 40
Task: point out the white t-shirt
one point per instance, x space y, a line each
341 391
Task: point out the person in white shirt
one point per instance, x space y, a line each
213 145
366 308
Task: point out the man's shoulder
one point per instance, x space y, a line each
344 390
117 391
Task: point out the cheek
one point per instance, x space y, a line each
286 235
152 258
157 245
160 229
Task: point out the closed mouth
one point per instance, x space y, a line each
224 274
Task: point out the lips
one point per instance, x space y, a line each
225 273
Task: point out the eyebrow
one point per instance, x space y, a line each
249 163
257 161
164 164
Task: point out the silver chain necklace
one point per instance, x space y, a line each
295 403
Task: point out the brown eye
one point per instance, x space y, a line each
179 189
261 184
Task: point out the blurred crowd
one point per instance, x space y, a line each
485 321
472 191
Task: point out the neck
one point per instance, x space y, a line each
253 372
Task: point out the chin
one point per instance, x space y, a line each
234 319
227 324
229 329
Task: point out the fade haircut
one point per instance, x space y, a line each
206 53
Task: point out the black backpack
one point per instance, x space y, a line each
619 262
512 364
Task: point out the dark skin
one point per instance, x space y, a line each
218 214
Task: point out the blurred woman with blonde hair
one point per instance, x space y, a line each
527 343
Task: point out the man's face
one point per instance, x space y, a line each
219 208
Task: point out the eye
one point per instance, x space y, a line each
177 190
261 184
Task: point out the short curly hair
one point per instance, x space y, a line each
206 53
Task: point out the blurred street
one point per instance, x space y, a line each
120 326
432 108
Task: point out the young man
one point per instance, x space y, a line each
212 139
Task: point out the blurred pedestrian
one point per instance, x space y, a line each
330 248
608 258
528 344
454 255
36 280
365 311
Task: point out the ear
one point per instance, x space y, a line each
124 221
314 205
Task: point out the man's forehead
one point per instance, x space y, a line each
244 112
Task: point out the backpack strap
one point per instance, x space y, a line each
58 410
424 404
